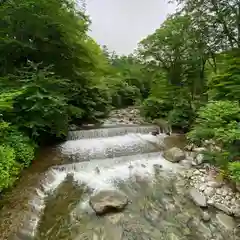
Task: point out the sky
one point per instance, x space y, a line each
121 24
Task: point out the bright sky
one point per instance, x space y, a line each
121 24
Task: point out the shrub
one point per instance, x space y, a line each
234 170
218 121
181 116
21 144
154 108
23 147
9 168
124 94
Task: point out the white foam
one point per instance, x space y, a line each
120 171
107 175
101 144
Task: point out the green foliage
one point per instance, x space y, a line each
181 116
226 84
218 121
41 106
153 108
51 74
123 94
234 170
9 168
24 148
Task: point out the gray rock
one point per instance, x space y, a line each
198 198
108 201
199 159
174 154
206 216
199 150
226 220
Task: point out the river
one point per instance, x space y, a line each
51 199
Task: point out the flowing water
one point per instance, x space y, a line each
128 159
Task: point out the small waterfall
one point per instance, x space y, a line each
99 148
109 132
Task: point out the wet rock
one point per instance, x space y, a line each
206 216
155 132
174 154
108 201
226 220
198 198
97 170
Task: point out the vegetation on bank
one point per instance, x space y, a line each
53 74
195 56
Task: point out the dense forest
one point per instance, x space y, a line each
52 74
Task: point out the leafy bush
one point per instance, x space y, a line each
154 108
218 121
182 115
234 170
23 147
41 106
226 84
9 168
123 94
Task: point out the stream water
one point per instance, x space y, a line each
51 201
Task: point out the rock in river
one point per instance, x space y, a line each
174 154
198 198
108 201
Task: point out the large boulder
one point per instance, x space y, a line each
198 198
108 201
174 154
225 221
